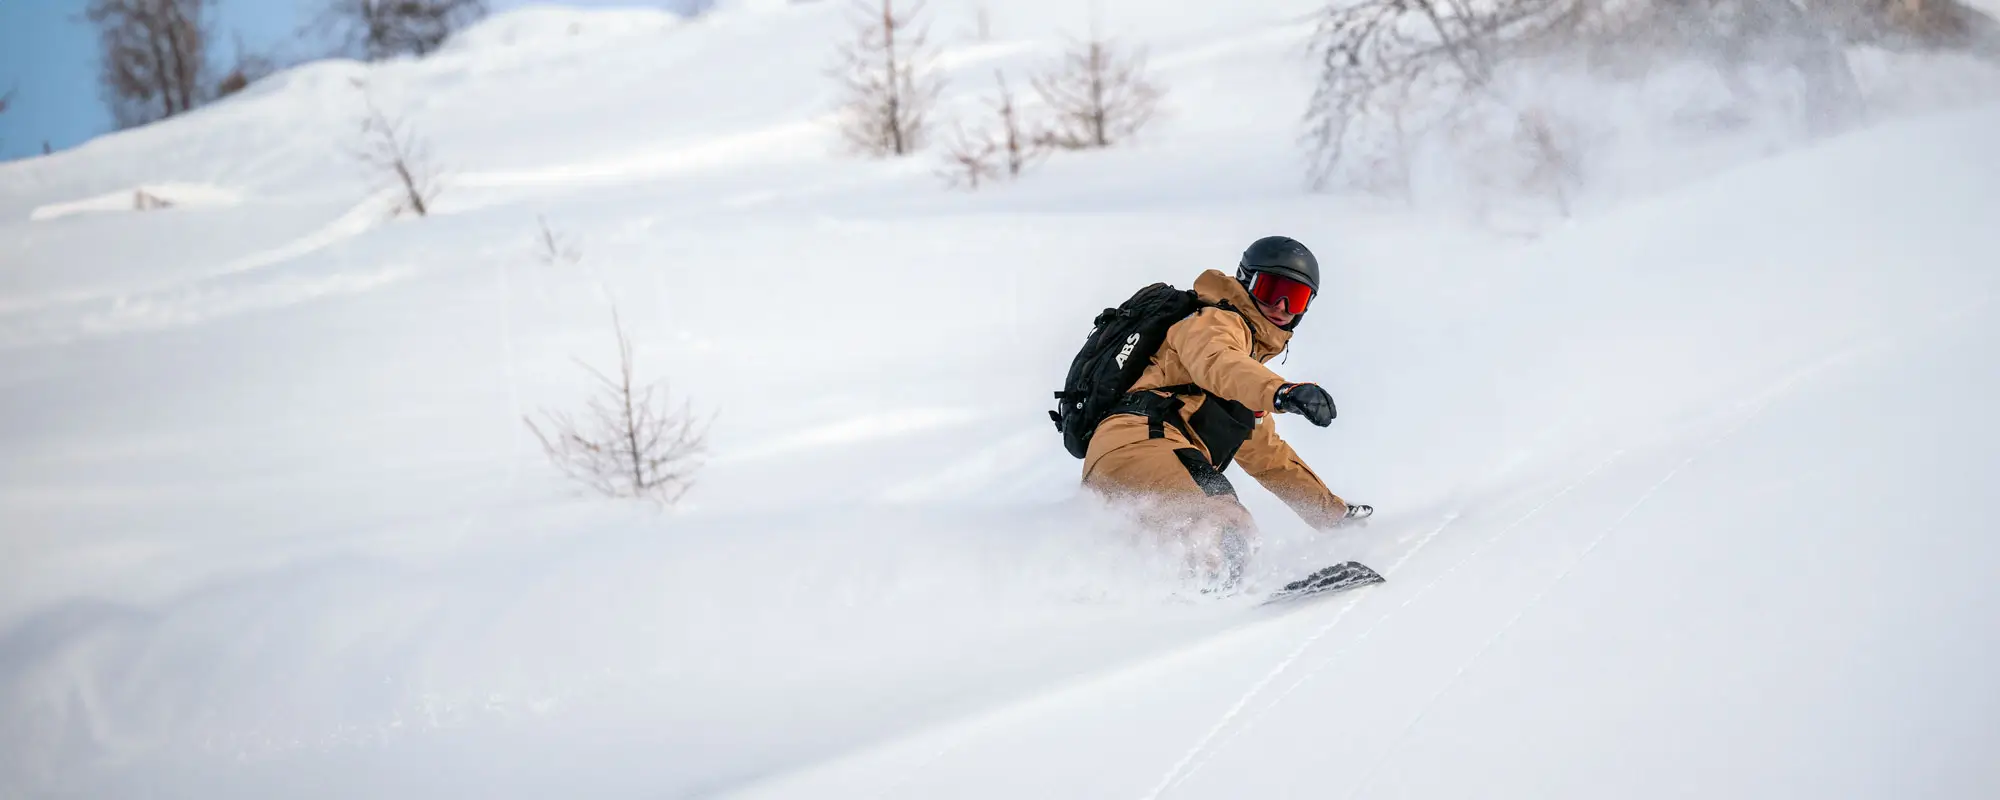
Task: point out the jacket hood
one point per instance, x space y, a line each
1218 287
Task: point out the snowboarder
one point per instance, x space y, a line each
1206 400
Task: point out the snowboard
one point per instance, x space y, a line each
1331 580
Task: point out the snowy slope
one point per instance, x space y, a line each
1781 593
1681 497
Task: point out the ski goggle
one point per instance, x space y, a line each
1271 290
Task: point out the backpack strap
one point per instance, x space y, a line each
1159 411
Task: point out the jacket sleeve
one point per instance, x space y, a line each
1275 465
1215 348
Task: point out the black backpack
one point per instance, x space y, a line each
1121 343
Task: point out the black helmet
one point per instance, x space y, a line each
1281 255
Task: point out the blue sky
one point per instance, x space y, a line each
48 54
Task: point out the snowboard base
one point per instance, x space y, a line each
1331 580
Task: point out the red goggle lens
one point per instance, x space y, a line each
1277 290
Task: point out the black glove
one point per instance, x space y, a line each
1307 399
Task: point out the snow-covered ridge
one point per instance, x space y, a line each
541 26
294 127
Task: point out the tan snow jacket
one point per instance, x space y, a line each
1222 352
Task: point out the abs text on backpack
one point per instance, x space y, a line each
1121 343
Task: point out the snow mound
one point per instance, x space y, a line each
148 197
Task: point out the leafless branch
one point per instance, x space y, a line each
1021 145
379 29
153 55
888 86
629 442
1424 65
393 146
1003 151
1098 96
1375 56
969 160
553 248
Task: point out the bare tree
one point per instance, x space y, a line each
1098 97
394 146
153 55
630 442
7 98
1002 152
889 87
379 29
969 160
1426 64
1020 146
1376 57
553 248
